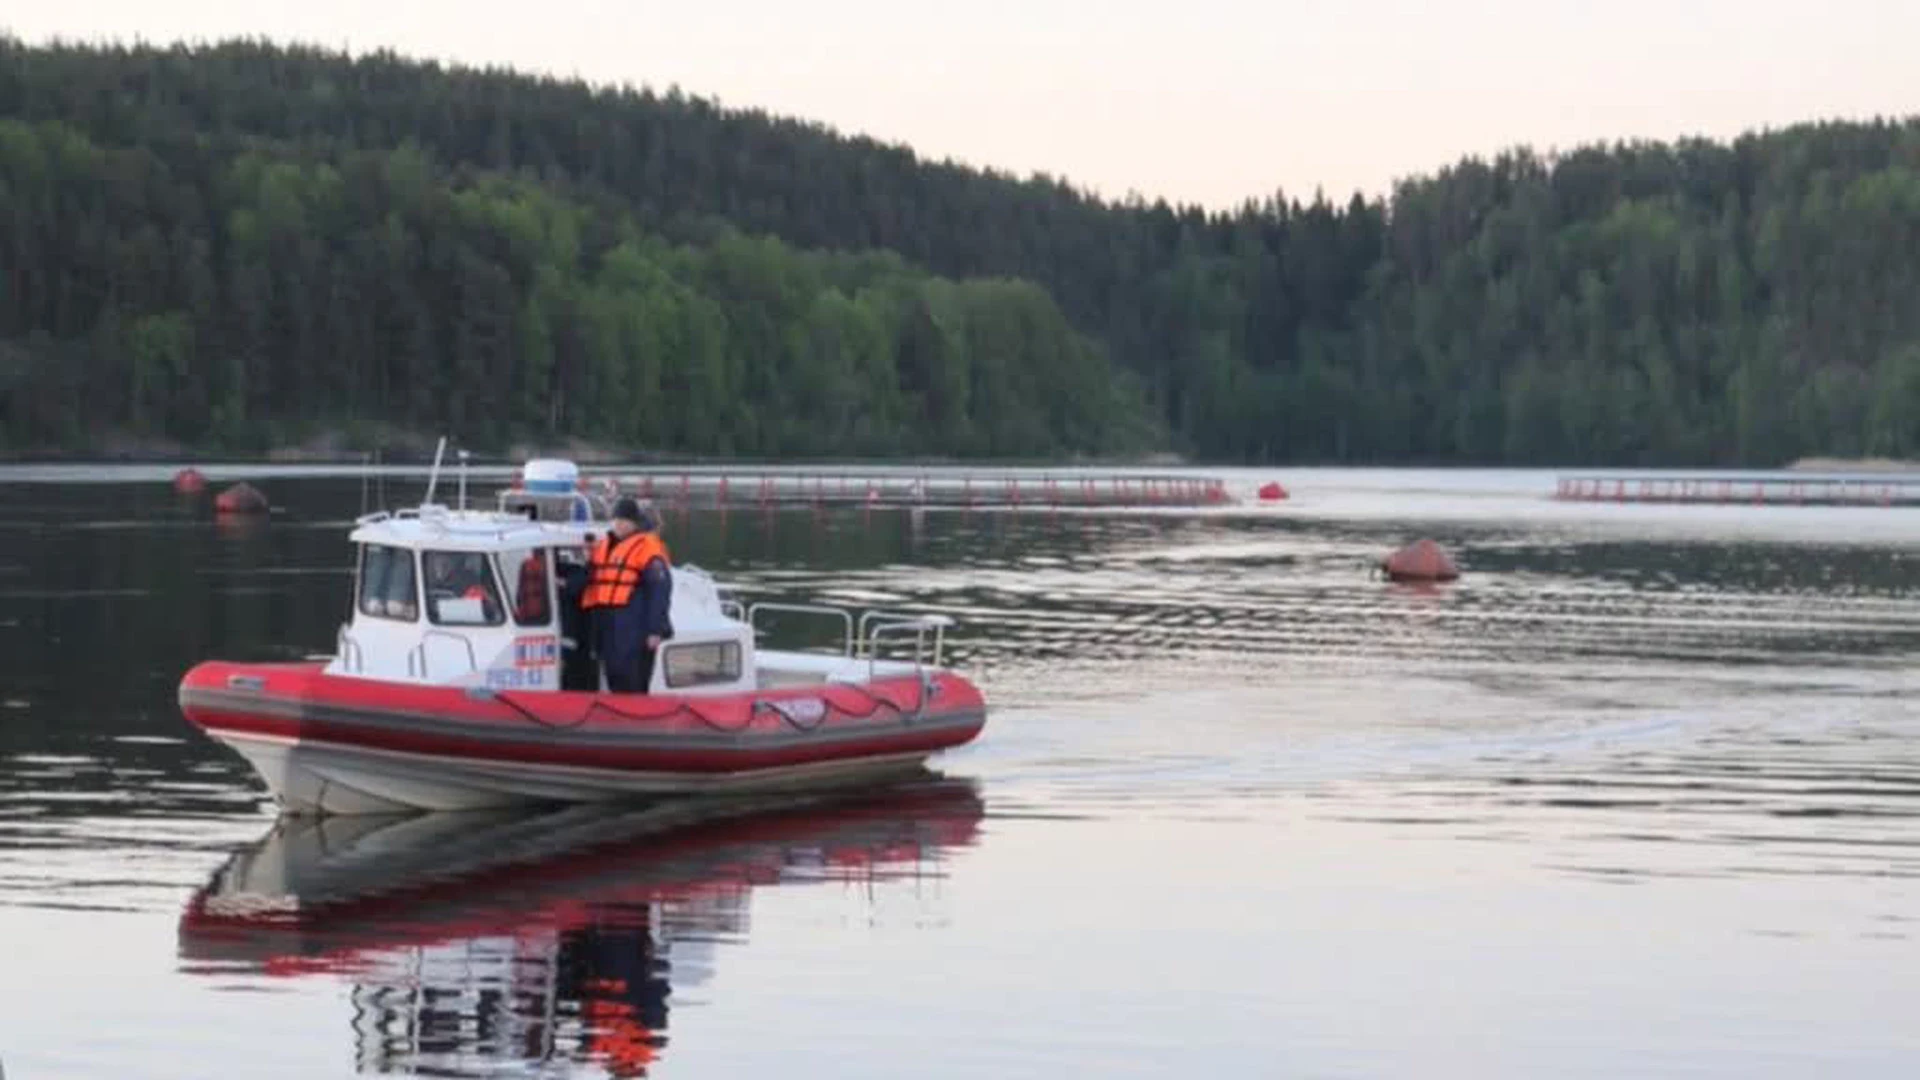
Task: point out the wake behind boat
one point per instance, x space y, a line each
445 690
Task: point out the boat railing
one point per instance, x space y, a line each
408 513
863 640
417 656
845 616
347 650
594 510
862 637
872 630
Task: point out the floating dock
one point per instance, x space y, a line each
918 487
1786 490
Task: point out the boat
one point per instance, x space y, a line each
454 684
519 940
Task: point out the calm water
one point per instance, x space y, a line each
1636 798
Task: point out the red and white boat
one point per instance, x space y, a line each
445 691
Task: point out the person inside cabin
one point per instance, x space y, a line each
530 602
579 668
628 596
459 575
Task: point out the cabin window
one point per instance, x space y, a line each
528 576
386 583
702 664
461 590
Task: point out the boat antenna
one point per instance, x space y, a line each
433 478
366 476
463 479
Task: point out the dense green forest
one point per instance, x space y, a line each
231 244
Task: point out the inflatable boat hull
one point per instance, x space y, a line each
331 744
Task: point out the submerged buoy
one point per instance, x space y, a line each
189 481
1271 491
241 498
1422 560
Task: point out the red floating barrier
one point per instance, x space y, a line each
189 481
241 498
1271 491
1422 560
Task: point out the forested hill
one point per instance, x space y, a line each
240 246
221 244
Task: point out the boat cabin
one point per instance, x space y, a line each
458 597
455 597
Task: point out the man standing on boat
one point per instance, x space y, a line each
628 596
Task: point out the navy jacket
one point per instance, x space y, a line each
655 599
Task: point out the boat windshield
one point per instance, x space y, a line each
460 590
386 583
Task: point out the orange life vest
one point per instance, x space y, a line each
616 567
616 1037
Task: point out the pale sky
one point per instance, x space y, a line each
1208 101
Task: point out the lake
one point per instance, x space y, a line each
1636 797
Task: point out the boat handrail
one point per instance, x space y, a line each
918 627
347 650
437 522
863 638
404 513
573 498
506 530
803 609
417 656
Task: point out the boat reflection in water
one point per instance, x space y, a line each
532 941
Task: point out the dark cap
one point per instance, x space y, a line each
640 513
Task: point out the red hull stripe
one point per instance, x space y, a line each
674 734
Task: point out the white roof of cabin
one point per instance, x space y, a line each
440 529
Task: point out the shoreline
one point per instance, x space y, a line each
1853 465
407 449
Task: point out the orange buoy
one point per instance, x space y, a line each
1271 491
241 498
189 481
1422 560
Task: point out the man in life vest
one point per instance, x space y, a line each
628 596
